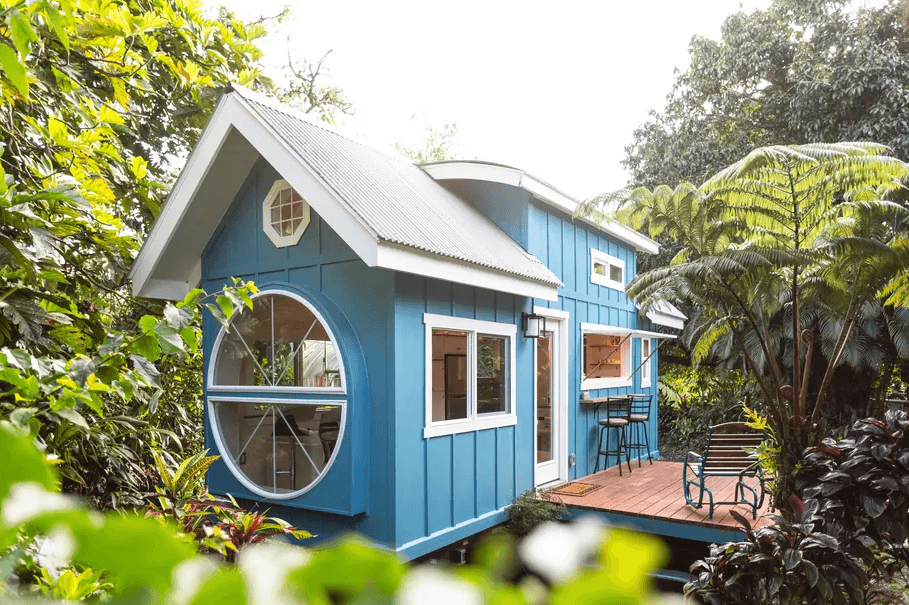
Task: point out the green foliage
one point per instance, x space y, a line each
794 73
693 399
791 73
862 485
127 559
850 537
785 563
533 508
240 528
97 100
789 254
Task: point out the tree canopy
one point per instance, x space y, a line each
797 72
98 102
791 256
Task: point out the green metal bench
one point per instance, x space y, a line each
729 453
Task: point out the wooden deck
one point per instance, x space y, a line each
650 499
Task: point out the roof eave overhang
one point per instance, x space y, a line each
409 260
541 190
169 263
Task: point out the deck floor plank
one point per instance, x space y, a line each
655 491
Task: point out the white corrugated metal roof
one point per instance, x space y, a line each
394 199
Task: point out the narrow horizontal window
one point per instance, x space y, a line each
607 270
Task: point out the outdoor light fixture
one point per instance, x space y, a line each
534 325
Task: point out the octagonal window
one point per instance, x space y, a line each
285 215
270 372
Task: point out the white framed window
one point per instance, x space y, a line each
606 357
607 270
470 379
645 363
285 215
268 376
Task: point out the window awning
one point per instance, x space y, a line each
666 314
616 331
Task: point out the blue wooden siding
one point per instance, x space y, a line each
357 301
450 486
564 246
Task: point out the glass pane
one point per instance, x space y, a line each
449 375
492 372
544 398
280 448
279 343
615 274
603 356
599 268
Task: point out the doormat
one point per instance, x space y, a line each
575 489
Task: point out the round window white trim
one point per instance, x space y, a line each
240 475
279 240
213 362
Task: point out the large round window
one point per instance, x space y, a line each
271 370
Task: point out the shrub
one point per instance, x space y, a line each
144 561
532 508
852 529
693 399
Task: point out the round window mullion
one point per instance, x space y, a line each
281 345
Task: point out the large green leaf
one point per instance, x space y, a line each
155 551
21 461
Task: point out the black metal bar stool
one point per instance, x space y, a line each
618 410
639 418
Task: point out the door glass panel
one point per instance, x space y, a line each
544 398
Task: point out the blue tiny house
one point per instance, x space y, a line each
383 382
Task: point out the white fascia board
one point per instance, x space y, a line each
554 313
646 334
317 193
474 171
232 114
544 192
589 328
162 289
197 167
662 319
407 260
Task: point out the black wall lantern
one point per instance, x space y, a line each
534 325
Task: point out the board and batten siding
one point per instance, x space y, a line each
564 245
453 486
363 298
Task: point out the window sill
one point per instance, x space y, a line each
454 427
592 384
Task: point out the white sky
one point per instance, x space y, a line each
554 88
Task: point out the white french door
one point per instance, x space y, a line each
550 388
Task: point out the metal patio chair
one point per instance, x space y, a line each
729 453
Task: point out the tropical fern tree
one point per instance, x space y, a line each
797 234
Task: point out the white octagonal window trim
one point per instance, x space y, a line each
285 215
